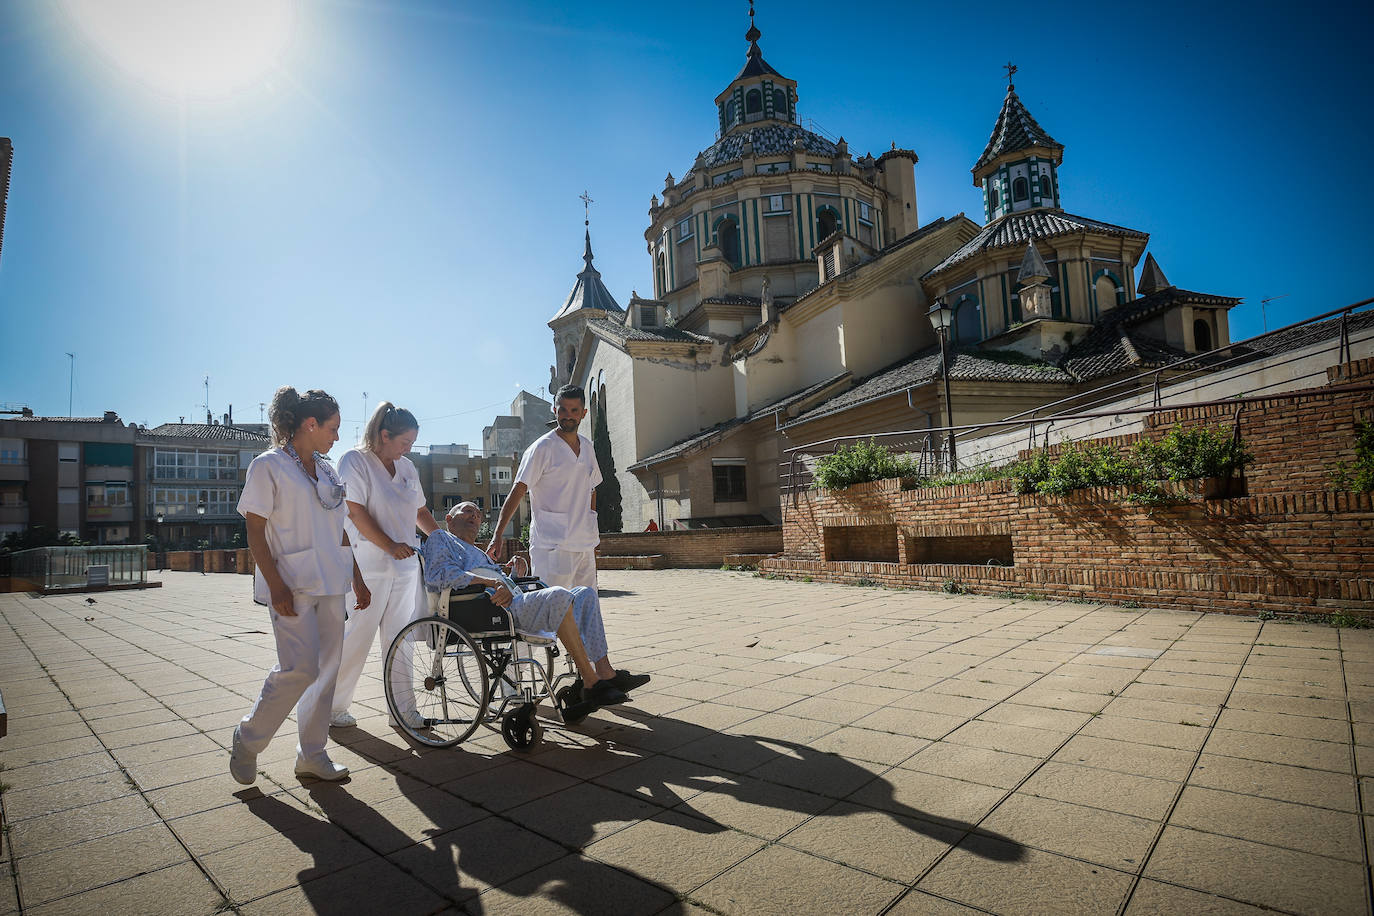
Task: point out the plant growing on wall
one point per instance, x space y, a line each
1190 454
861 462
1358 476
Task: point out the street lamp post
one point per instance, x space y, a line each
940 316
160 545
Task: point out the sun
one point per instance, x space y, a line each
188 49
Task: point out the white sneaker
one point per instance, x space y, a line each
321 768
412 720
342 720
243 766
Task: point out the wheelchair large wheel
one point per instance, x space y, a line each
442 668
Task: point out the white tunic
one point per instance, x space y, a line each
391 501
304 538
560 485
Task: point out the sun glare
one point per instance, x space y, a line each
188 49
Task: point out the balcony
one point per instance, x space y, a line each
109 514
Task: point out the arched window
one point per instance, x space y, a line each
660 276
727 237
827 220
780 105
968 324
1109 290
730 113
995 198
1020 190
1202 335
1046 187
572 359
753 102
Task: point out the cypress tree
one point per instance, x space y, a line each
608 507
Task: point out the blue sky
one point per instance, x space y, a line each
388 201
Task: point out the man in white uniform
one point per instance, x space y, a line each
560 473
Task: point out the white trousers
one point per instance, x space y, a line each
308 649
568 568
395 603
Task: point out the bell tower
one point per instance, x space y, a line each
1019 167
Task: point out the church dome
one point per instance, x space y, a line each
770 140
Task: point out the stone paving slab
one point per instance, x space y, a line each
803 748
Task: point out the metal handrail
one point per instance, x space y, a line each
1029 416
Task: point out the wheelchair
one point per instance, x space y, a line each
468 665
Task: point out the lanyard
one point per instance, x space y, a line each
335 487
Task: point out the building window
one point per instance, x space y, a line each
727 238
777 203
1020 190
995 198
450 475
865 213
498 501
725 176
728 482
68 454
660 275
684 229
968 324
481 503
11 451
108 494
1046 186
477 475
753 102
730 117
820 167
1202 335
648 316
780 105
827 220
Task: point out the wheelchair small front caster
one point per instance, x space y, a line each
520 729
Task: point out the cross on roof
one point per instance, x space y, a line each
1011 70
586 208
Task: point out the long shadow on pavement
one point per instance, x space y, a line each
527 853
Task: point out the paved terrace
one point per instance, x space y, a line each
803 748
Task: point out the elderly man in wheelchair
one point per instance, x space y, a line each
472 662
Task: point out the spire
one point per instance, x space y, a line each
588 294
1151 278
754 65
1015 130
1033 267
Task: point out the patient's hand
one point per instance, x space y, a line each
501 597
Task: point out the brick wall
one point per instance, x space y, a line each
1292 545
703 548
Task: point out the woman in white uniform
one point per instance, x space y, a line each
293 504
385 506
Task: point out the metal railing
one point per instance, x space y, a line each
1246 368
56 568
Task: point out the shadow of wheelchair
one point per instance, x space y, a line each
584 783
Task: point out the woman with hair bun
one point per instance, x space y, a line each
293 504
385 506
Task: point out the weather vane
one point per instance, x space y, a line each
586 208
1011 70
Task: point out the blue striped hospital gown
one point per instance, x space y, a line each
450 563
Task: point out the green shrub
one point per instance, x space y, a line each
1358 476
861 462
1190 454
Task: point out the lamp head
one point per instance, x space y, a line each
940 315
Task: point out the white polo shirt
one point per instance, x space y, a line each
560 485
304 538
391 501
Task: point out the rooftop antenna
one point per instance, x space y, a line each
208 419
1264 317
71 380
261 407
355 428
